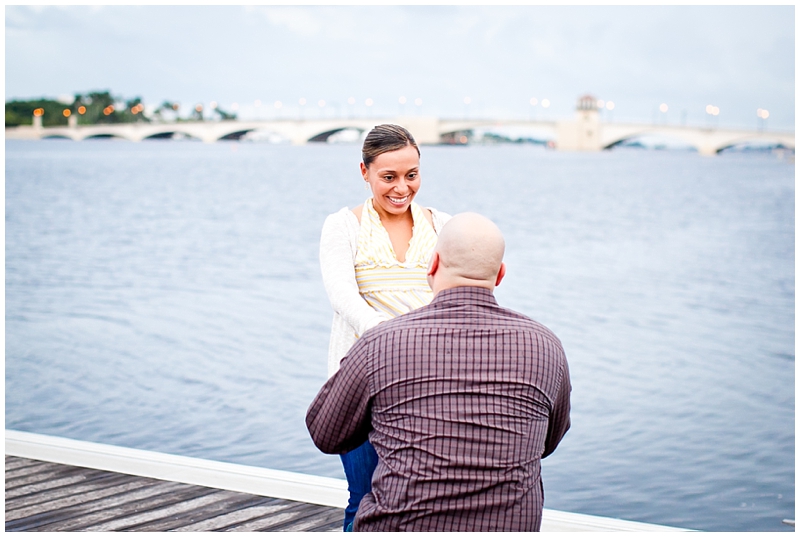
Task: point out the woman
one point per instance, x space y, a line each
374 262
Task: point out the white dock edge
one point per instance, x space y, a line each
249 479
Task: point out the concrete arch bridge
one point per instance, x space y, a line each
583 133
297 131
589 134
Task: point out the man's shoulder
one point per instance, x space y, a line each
436 315
525 323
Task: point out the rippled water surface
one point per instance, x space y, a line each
167 296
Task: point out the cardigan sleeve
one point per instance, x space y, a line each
336 257
439 219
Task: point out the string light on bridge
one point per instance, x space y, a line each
762 118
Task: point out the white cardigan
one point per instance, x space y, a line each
352 316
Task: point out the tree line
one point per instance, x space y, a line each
99 107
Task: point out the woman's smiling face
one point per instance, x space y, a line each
394 179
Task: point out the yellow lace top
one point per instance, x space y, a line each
384 282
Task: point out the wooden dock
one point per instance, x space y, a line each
58 484
44 496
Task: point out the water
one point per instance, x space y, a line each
166 296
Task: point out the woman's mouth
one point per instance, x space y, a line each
398 201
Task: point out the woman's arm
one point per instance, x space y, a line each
336 257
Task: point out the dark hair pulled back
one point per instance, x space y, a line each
385 138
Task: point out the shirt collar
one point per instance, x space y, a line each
473 295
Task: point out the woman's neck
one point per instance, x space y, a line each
387 217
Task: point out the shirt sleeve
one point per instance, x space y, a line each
339 277
559 421
339 419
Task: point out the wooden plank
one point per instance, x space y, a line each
13 463
334 522
79 497
275 521
76 518
132 520
230 520
73 490
77 476
27 472
22 476
44 475
235 502
322 519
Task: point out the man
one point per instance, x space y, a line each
461 399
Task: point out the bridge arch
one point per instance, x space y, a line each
749 140
344 134
106 136
706 141
235 136
170 135
618 140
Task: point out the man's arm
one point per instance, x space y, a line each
559 416
339 418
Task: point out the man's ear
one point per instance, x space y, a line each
433 265
500 274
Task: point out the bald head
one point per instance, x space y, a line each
469 253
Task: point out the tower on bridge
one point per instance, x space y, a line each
583 133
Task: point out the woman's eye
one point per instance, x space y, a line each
412 176
387 177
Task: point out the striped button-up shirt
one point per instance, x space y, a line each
461 399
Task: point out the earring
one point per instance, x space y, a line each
366 185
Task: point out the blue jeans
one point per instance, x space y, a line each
359 465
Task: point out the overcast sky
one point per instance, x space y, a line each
738 58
